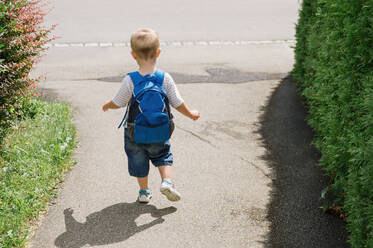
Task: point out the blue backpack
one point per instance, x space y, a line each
149 115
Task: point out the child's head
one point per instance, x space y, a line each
145 45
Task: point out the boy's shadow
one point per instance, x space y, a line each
110 225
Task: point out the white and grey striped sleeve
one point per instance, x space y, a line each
124 93
172 92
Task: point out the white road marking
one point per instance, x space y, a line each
201 43
94 44
108 44
120 44
76 44
61 45
175 43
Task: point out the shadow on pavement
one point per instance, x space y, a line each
215 75
294 211
110 225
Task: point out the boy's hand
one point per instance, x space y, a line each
105 107
109 105
194 115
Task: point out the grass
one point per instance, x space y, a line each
34 155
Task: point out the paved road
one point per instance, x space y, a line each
220 167
93 22
115 20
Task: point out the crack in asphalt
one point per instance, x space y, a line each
257 167
218 148
197 136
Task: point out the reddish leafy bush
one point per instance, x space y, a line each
22 39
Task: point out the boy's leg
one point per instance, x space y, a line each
165 172
138 166
143 182
162 158
144 194
167 187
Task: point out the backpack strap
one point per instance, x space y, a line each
124 120
136 77
160 76
138 80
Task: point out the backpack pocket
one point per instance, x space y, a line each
148 135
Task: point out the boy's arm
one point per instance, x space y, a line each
176 100
122 97
109 105
192 114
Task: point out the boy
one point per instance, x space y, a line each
145 50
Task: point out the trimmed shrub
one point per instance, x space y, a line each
22 39
334 70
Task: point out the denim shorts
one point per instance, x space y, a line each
139 155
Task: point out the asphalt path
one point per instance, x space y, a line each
218 170
227 60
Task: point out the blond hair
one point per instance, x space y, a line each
145 43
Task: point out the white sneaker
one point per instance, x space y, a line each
168 189
144 196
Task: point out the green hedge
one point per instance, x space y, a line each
334 70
